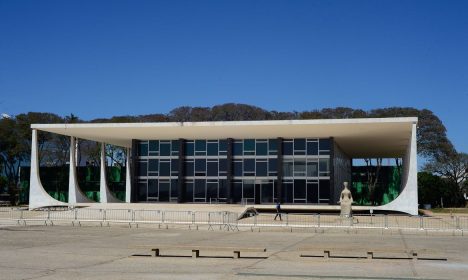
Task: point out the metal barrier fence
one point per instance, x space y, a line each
230 220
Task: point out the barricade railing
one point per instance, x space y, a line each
462 222
148 216
178 217
230 220
121 215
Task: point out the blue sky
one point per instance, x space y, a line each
104 58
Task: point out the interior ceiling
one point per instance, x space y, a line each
358 138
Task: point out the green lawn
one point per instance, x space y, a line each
450 210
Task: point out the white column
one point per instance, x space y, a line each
128 179
104 192
38 197
75 195
407 201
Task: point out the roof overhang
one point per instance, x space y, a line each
359 138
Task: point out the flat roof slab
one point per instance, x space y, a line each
370 137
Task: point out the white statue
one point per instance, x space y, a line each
346 199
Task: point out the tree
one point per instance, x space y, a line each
12 151
437 191
454 167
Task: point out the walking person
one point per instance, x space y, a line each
278 211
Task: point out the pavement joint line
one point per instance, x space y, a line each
331 276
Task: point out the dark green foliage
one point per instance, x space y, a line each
55 181
435 190
386 190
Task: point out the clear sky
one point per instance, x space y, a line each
104 58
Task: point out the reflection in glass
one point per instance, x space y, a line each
288 168
299 167
312 168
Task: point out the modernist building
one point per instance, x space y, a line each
257 162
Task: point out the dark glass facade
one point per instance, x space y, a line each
303 168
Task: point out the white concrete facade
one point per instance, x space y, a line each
75 195
105 195
359 138
407 201
38 197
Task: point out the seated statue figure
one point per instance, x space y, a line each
346 199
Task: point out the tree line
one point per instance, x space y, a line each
442 159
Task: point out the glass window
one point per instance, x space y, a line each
152 188
200 145
237 189
238 170
175 147
165 149
212 190
249 147
312 148
249 165
312 168
222 147
287 148
222 166
272 165
143 149
288 168
174 167
299 145
212 168
142 191
212 149
262 149
300 190
248 190
174 188
312 192
200 189
189 167
324 144
288 188
189 149
222 188
153 165
261 168
164 190
142 168
237 149
189 191
154 146
273 146
200 165
324 190
164 168
324 166
299 167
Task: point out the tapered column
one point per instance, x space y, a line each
128 179
75 195
38 197
105 196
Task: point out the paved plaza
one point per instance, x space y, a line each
120 252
